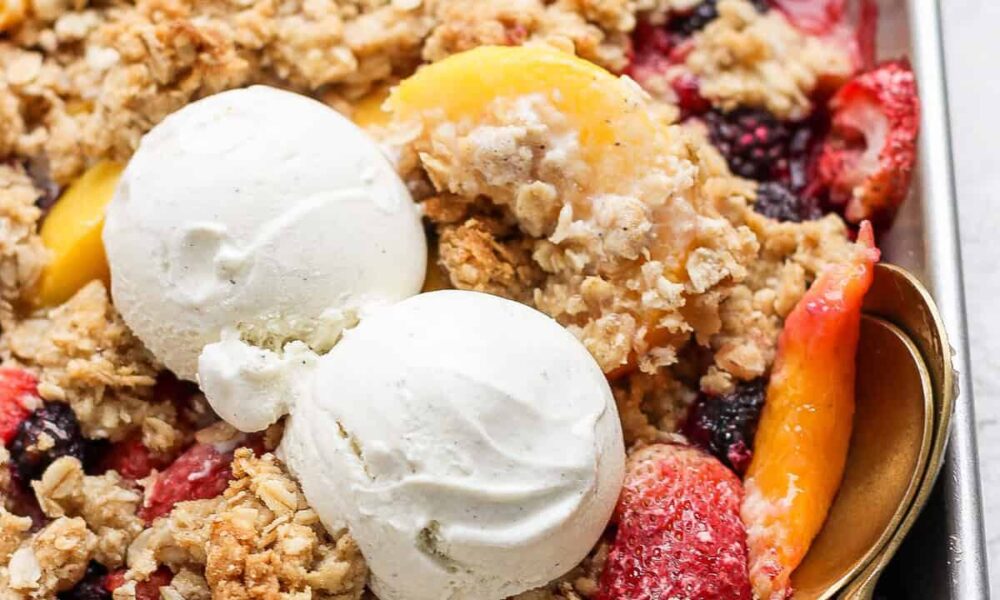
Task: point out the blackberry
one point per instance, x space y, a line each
91 587
56 427
693 21
753 141
776 201
725 425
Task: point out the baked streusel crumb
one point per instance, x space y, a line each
669 278
85 356
744 58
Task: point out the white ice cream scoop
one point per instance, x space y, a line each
257 215
470 443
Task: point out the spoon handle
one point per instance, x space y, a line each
863 586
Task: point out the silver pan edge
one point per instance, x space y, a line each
944 556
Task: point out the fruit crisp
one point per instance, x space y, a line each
676 265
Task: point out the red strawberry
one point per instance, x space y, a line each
18 390
131 459
868 157
831 19
144 590
203 471
818 17
679 530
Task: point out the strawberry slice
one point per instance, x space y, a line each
679 531
18 390
203 471
817 17
867 159
144 590
131 459
853 31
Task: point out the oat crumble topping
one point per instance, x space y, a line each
85 356
744 58
677 272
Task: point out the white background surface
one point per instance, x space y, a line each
972 51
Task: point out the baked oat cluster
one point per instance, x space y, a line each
677 266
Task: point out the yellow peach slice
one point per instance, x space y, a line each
12 12
612 122
72 234
369 110
801 444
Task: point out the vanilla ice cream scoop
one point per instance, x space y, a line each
262 217
470 443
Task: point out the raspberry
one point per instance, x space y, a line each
131 459
91 587
777 202
203 471
725 425
144 590
753 141
48 433
868 157
16 387
679 533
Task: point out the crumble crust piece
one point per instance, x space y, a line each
268 544
50 561
82 85
106 503
504 211
22 255
258 541
84 81
85 356
745 58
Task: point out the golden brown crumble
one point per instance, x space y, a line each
634 275
268 544
81 82
22 255
86 84
85 356
178 540
259 540
106 503
53 560
744 58
13 531
632 283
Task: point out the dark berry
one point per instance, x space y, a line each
91 587
695 20
777 202
48 433
725 425
753 141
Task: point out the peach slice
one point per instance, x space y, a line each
612 123
72 234
801 444
369 110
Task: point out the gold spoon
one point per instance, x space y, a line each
904 398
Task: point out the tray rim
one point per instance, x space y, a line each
959 482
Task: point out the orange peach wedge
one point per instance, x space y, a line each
72 234
612 122
801 444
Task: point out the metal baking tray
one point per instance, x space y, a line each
944 557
